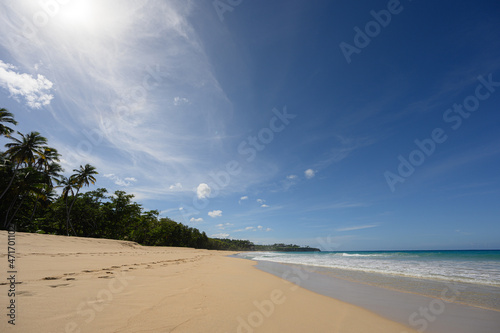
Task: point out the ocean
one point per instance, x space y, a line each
480 267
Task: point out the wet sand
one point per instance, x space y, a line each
430 306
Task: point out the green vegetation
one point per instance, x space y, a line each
29 175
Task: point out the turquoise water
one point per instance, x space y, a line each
470 266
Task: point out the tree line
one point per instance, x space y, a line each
30 173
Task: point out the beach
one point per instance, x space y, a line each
71 284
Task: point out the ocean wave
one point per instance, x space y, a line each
401 264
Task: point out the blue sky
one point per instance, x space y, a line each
337 124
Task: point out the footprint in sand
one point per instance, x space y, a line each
69 279
51 278
104 277
59 285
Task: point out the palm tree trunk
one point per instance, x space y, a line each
5 223
14 215
34 210
68 211
11 180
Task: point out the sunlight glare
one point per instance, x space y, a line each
78 12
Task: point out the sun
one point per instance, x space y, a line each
79 13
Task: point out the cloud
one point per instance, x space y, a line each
261 201
203 191
180 100
215 213
243 198
35 91
264 206
359 227
309 173
196 220
120 182
220 235
176 186
224 225
291 177
257 228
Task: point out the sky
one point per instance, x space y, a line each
342 125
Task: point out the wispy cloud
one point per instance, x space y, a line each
358 227
36 92
123 87
127 181
224 225
180 100
337 205
220 235
198 220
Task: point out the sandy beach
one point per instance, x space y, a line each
70 284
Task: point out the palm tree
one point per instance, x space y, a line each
83 176
26 150
68 184
6 117
52 172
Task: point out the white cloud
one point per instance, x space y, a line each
359 227
291 177
35 91
120 182
309 173
196 220
264 206
268 229
203 191
176 186
180 100
257 228
261 201
223 225
220 235
215 213
245 197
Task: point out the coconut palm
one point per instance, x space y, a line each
68 185
51 173
83 176
6 117
24 151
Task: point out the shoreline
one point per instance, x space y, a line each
439 312
71 284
